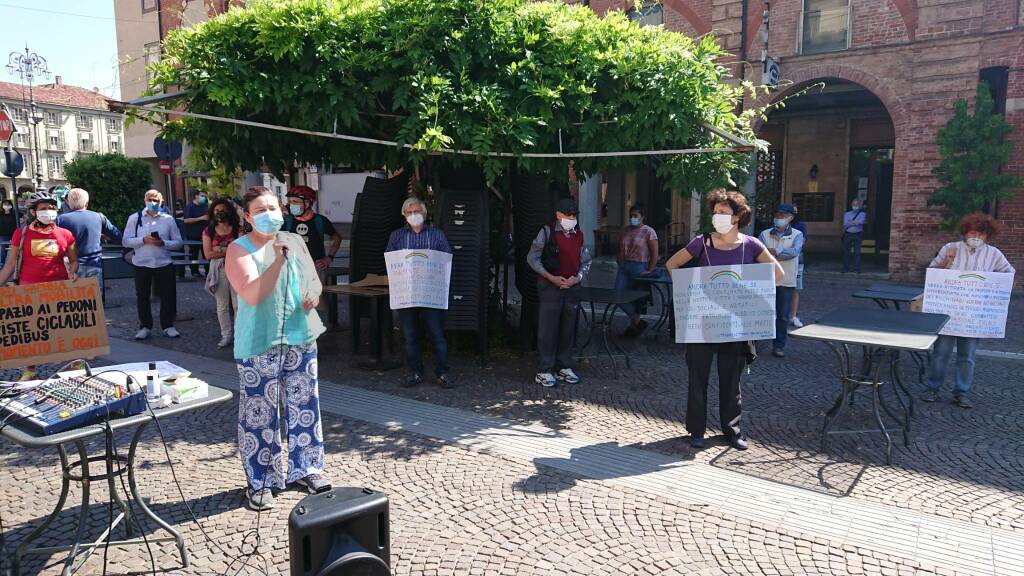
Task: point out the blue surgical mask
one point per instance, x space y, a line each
634 221
267 222
296 209
781 222
153 207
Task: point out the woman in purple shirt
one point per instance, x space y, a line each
725 246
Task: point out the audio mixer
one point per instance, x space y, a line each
61 404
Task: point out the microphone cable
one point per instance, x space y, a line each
254 533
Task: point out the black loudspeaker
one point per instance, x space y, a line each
342 532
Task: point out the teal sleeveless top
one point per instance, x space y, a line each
279 318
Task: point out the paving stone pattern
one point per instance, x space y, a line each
963 465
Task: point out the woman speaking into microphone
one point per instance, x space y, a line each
276 327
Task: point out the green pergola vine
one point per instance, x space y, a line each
485 75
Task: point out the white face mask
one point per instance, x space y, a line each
567 223
46 216
722 223
975 243
414 219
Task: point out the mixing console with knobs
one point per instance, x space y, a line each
61 404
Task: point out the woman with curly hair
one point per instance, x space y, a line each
725 246
973 253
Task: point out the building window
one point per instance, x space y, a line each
85 142
56 164
84 122
113 125
55 140
649 15
152 57
115 145
149 5
52 118
21 139
826 26
997 78
21 114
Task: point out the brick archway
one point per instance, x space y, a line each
899 115
808 76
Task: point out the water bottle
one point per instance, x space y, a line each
152 382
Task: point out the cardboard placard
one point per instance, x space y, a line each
418 278
52 322
724 303
977 303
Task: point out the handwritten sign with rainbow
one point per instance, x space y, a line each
418 278
724 303
976 302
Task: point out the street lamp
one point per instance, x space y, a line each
27 66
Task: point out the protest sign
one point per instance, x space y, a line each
724 303
418 278
51 322
976 302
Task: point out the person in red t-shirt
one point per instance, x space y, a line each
41 248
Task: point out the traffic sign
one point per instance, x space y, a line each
169 150
13 163
165 166
7 128
770 73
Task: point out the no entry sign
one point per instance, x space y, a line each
165 166
6 125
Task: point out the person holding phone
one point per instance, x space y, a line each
153 235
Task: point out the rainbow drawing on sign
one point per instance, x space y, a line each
415 255
972 277
726 275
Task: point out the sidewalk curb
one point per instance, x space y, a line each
1000 354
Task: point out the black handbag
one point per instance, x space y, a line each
549 257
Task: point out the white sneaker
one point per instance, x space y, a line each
142 334
172 332
546 379
796 322
225 342
568 376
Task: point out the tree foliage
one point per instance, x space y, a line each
116 183
487 76
973 148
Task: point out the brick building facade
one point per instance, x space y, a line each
890 85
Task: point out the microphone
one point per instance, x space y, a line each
284 249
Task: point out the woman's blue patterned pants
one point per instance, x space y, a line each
259 434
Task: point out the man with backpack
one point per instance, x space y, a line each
561 262
313 227
152 235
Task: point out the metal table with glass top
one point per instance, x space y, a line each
882 335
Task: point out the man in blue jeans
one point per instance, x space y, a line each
853 232
417 235
786 244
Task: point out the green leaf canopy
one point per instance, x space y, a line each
483 75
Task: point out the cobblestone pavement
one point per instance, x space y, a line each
475 509
453 511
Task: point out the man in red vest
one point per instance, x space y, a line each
561 262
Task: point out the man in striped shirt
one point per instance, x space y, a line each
417 235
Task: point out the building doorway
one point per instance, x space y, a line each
871 182
831 143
